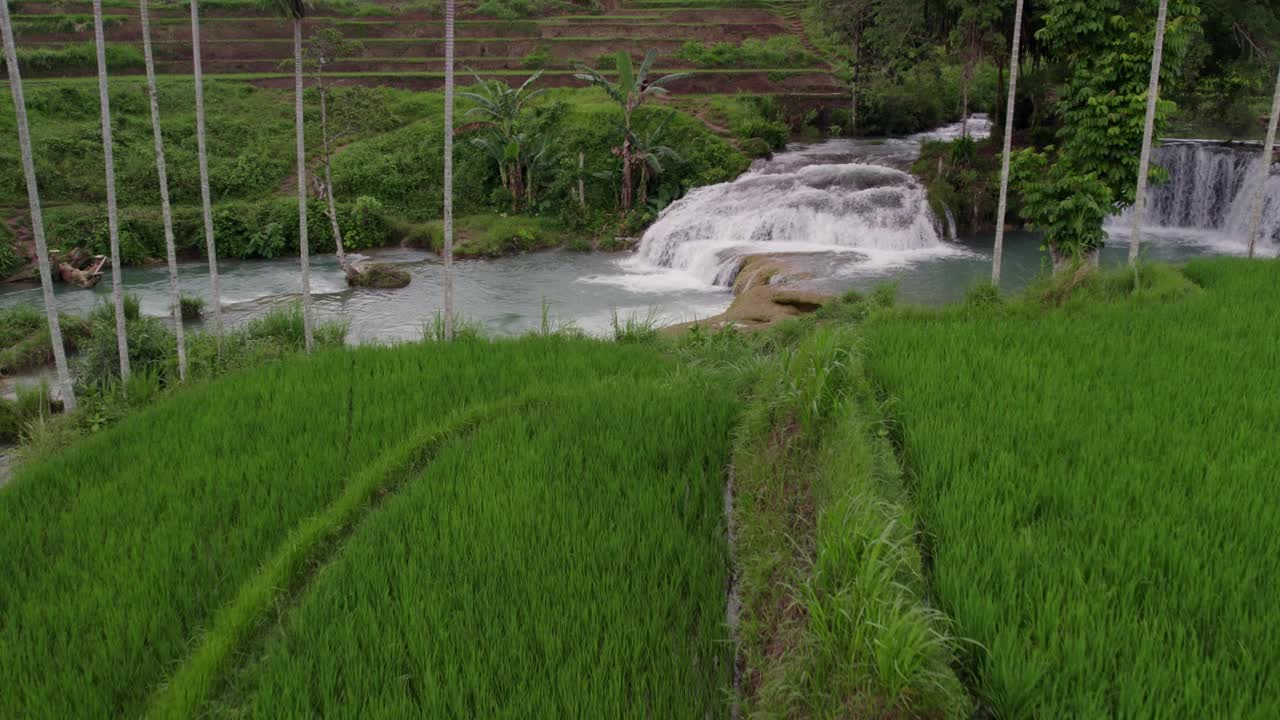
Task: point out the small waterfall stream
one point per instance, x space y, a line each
1209 197
841 196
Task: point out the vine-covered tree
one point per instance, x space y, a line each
1105 46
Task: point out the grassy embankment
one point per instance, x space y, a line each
1096 485
387 174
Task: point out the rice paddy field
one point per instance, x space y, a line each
1097 486
1056 506
551 485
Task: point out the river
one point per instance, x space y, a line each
848 206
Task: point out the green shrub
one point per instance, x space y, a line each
191 307
780 51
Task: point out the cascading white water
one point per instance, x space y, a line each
851 207
1209 197
839 196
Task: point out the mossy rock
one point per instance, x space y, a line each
378 276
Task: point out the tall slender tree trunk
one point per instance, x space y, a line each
113 217
304 248
1148 129
328 174
37 218
582 191
206 203
1268 147
448 169
997 252
166 214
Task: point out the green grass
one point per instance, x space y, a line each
1097 485
585 579
834 619
114 569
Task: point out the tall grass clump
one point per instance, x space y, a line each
835 621
118 551
584 579
1097 480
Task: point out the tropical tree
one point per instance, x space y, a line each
296 11
448 168
997 253
113 217
1144 161
324 47
166 214
202 153
649 153
875 35
37 218
631 90
499 108
1264 167
1069 189
974 31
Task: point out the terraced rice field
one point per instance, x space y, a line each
405 48
468 529
1098 485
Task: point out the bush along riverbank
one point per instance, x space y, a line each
387 171
813 519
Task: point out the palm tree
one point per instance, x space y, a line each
630 91
113 218
500 106
296 10
448 169
1268 147
1144 161
175 294
37 219
202 151
998 251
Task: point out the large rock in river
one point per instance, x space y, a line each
377 275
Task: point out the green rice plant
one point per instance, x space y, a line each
1096 479
120 549
530 570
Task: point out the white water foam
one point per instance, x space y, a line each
1208 200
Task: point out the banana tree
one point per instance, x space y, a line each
631 89
498 108
648 152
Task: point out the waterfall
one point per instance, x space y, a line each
1209 197
876 211
951 223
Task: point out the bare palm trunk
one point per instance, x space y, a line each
215 285
37 219
1003 207
166 214
448 169
304 249
1144 161
1268 147
328 174
113 217
964 101
582 191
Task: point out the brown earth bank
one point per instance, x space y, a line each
259 28
765 291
